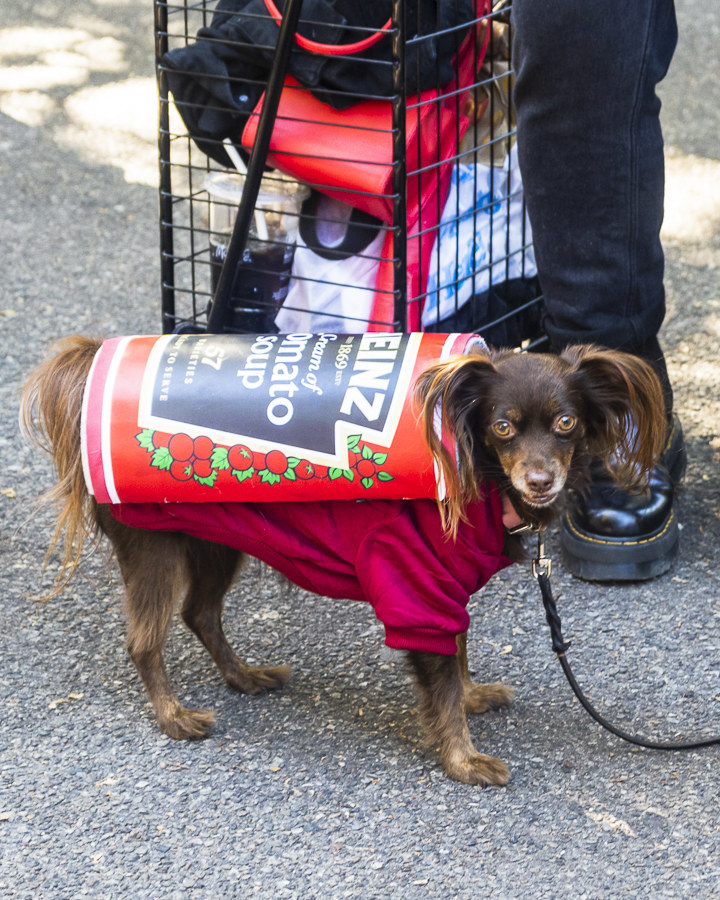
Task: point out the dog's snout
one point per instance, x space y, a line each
539 480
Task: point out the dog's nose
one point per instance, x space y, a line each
539 481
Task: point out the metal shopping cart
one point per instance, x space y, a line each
329 168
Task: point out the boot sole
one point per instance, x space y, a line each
595 558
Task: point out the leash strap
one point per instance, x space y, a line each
541 570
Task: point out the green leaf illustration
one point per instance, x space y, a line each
292 462
367 483
366 452
290 474
219 458
385 476
243 476
161 459
379 458
349 474
268 477
353 442
209 481
146 439
334 474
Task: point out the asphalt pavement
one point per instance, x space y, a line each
324 789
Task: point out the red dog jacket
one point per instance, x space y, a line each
390 553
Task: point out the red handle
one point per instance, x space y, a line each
331 49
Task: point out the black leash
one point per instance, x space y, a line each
541 568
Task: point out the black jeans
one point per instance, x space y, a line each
591 155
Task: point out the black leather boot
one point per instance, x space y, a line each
609 534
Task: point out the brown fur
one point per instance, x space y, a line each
531 422
602 390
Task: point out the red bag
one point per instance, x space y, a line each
348 153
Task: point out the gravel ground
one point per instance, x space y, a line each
324 790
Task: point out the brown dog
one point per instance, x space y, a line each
529 422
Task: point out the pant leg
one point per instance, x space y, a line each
591 154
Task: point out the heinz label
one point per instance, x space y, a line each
302 392
259 417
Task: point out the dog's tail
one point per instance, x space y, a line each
50 413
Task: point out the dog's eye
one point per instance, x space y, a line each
565 424
503 428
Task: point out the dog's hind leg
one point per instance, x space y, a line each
442 708
212 567
154 569
480 698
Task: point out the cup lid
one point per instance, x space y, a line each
228 186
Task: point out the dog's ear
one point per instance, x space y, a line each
625 406
448 394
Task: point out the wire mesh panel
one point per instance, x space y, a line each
391 197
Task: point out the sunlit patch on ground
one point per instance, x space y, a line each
692 207
46 79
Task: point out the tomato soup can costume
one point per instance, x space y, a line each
257 418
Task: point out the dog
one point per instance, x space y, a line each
527 423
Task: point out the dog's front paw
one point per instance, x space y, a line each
186 724
254 679
478 769
481 698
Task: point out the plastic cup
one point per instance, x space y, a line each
262 277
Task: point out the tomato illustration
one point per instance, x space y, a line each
305 470
180 447
180 470
203 447
240 458
202 468
276 462
365 468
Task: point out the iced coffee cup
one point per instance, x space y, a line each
262 276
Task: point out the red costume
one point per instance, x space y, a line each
393 554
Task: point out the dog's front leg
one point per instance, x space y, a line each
442 708
480 698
